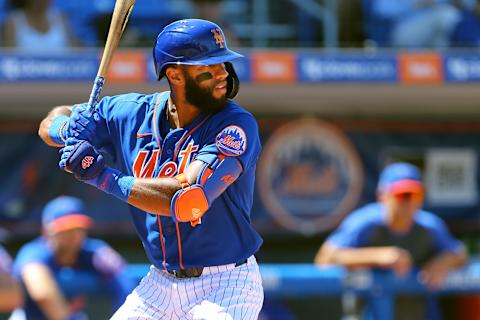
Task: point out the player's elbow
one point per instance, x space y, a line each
324 256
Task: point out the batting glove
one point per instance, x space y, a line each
82 160
82 123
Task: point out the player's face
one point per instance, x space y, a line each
402 207
68 242
206 87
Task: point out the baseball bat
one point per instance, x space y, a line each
121 12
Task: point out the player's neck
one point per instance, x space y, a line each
66 259
180 113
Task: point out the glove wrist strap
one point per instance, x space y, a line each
113 182
58 129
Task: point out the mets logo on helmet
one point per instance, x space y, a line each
218 36
232 141
309 176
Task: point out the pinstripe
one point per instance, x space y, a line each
238 296
234 291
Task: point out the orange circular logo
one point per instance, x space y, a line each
309 176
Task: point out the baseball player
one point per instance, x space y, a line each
185 162
48 266
10 291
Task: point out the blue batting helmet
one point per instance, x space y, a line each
194 42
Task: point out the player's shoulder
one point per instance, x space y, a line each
35 250
233 114
429 220
129 102
93 244
368 215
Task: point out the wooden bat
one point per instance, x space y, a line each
121 12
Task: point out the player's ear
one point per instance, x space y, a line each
174 75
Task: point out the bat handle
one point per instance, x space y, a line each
95 94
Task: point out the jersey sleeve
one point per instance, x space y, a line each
443 240
111 265
5 261
31 252
353 231
107 261
237 136
113 118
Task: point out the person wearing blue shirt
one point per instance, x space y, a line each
185 162
10 291
417 23
49 265
395 233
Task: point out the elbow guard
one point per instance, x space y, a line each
191 202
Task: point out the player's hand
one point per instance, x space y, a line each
397 259
82 160
433 274
82 123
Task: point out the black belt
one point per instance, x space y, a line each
194 272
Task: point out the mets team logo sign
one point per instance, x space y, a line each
232 141
309 176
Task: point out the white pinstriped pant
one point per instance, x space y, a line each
221 292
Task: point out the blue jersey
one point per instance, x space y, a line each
96 260
366 227
135 131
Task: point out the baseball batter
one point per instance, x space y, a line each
185 162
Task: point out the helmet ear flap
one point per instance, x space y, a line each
233 83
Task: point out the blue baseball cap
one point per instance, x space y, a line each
65 213
400 177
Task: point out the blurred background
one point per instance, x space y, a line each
339 88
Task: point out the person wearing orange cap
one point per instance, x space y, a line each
395 233
62 254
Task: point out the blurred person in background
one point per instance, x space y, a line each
467 31
395 233
36 25
10 291
64 250
417 23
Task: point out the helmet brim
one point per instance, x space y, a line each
223 56
215 58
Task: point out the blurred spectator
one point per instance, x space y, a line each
10 291
395 233
413 23
36 25
63 254
467 31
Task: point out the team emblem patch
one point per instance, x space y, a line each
232 141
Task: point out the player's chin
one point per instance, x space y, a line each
220 93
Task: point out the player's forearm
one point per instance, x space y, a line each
45 128
356 257
153 195
43 289
10 293
451 260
